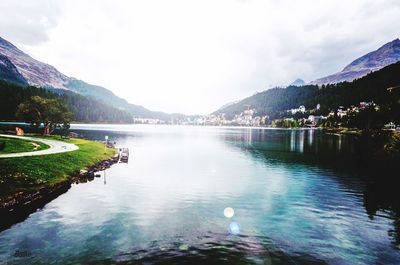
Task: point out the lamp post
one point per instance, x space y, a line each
105 143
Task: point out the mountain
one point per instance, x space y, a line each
18 67
228 104
106 96
274 102
84 109
34 72
270 102
9 73
373 61
298 82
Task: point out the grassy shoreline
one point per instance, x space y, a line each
28 174
11 145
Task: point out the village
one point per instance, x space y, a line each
296 117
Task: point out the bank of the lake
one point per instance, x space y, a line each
10 145
27 183
379 146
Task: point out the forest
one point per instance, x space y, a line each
381 87
83 108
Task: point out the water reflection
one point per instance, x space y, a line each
333 153
294 199
382 198
310 137
380 195
310 141
292 141
244 250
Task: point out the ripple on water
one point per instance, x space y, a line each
221 249
166 206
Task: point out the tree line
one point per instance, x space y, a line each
83 109
380 87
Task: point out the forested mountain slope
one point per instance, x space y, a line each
274 102
84 109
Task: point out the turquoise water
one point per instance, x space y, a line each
298 197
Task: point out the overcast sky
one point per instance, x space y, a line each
194 56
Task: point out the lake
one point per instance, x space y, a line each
298 197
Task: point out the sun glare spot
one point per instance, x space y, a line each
229 212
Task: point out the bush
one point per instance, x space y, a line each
393 146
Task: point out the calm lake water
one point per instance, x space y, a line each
299 197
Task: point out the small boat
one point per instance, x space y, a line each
124 155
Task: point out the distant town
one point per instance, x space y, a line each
297 117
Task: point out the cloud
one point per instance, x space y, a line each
28 22
194 56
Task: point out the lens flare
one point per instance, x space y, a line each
234 228
229 212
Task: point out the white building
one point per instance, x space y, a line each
301 109
314 119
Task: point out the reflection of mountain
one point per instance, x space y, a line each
299 148
272 177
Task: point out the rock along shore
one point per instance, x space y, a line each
16 208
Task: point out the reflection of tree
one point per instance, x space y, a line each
383 196
330 152
283 144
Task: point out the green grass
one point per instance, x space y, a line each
12 145
31 173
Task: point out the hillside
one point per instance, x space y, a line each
9 73
373 61
106 96
274 102
84 109
33 71
20 68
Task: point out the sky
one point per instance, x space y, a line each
193 57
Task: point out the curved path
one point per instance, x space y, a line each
55 147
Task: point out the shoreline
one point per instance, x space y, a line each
16 208
79 124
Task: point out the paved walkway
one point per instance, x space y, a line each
55 147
